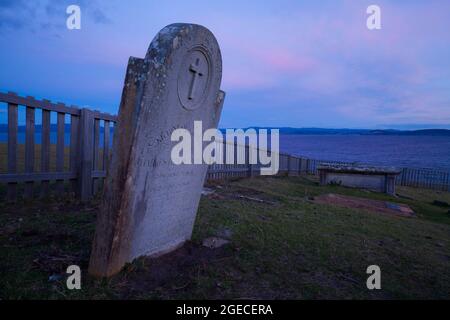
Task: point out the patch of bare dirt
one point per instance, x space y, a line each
227 192
367 204
175 271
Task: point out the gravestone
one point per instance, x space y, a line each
149 204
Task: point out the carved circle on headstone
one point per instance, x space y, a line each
194 78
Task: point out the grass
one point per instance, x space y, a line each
286 247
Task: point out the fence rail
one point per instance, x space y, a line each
87 162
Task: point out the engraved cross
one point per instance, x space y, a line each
197 72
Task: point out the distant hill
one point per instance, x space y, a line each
301 131
324 131
424 132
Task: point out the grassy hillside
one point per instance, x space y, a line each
283 245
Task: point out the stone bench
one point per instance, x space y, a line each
380 179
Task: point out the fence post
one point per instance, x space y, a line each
29 150
12 148
403 177
299 165
293 166
288 171
249 170
247 160
250 166
85 154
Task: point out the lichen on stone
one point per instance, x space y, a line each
168 39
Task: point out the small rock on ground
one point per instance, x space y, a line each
207 191
214 242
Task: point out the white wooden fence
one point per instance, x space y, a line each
84 154
88 162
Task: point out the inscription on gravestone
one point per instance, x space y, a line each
149 204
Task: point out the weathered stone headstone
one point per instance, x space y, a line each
149 204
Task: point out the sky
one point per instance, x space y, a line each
286 63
